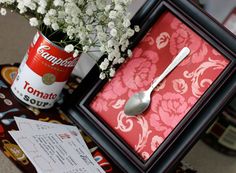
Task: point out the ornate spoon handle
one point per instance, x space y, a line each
181 55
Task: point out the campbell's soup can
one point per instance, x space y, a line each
43 72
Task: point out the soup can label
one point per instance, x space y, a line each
43 73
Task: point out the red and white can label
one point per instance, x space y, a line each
43 73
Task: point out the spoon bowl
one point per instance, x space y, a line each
140 101
137 104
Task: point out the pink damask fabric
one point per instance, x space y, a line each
176 95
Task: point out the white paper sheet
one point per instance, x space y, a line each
54 148
25 124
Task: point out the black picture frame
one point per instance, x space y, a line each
201 115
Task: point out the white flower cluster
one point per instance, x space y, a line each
103 24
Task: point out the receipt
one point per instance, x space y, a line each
54 148
25 124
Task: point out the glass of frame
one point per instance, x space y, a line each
182 106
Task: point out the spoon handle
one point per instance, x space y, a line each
181 55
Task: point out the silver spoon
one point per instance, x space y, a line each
140 101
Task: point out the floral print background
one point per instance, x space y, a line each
173 98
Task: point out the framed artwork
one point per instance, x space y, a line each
182 106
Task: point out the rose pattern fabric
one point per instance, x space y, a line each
171 107
180 86
142 69
183 36
162 40
173 99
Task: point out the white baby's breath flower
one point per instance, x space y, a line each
26 2
115 61
101 36
55 26
3 11
101 4
47 21
33 21
130 32
102 75
32 6
123 48
121 60
89 12
112 14
99 28
41 10
76 53
102 18
89 27
70 30
113 32
117 54
111 57
80 2
75 20
104 64
136 28
42 3
21 7
68 20
110 43
118 7
112 72
129 52
58 3
61 14
75 11
126 23
111 25
69 48
52 12
107 7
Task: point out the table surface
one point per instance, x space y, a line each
17 34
